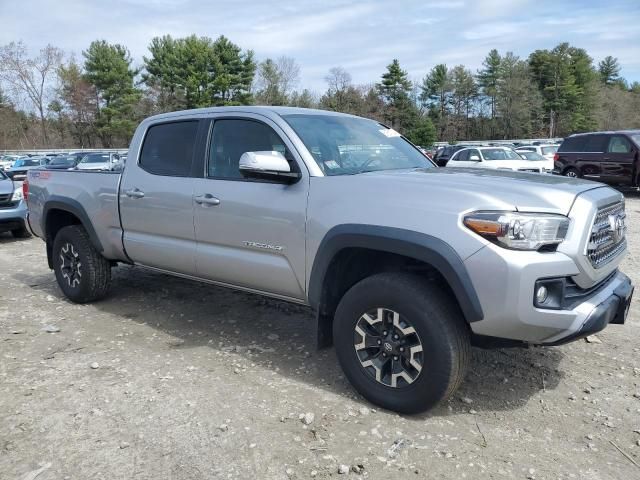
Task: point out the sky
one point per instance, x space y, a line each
361 36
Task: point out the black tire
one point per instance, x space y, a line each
94 278
572 173
439 324
20 233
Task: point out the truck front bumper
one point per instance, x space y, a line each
505 281
613 309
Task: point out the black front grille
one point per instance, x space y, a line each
534 170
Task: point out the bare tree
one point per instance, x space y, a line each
289 74
29 77
338 80
276 80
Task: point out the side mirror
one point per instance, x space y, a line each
267 166
474 158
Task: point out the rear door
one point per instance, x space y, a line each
591 157
250 233
156 205
618 161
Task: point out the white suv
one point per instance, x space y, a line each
499 158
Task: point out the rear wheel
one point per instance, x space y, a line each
82 273
571 173
401 341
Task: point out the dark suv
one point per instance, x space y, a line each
610 157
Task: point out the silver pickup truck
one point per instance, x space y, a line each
407 265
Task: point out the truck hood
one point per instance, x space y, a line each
6 186
488 188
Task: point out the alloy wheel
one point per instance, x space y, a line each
70 265
388 347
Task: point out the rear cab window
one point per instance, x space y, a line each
548 150
168 148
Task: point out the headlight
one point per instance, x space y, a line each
17 195
519 231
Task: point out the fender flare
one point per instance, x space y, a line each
419 246
74 207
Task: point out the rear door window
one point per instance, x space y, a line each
168 148
619 144
460 156
595 144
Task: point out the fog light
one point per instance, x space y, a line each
541 295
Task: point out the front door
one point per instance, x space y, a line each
618 161
250 233
156 205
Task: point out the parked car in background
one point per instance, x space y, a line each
21 166
527 155
98 161
63 162
500 158
444 155
610 157
6 161
13 208
546 150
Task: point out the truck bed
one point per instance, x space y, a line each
93 194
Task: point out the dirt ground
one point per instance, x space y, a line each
171 379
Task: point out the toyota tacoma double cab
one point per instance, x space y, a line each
405 264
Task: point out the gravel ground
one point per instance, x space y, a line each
173 379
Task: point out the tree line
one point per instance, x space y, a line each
52 100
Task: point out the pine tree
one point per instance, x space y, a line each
488 79
108 69
609 70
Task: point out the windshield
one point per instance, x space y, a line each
63 161
27 162
531 156
549 150
96 158
500 154
347 145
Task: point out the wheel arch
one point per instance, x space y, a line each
60 212
393 248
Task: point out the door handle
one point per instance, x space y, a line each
207 199
134 193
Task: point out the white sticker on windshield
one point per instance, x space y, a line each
331 164
389 132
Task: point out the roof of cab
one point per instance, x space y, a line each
268 111
608 132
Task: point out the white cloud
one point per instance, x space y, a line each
363 37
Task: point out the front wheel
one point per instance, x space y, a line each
401 341
82 273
